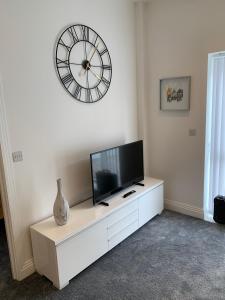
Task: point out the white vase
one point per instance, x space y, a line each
61 206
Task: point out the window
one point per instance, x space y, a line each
215 133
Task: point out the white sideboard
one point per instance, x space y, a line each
61 252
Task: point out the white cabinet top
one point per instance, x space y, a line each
85 214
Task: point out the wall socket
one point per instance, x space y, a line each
17 156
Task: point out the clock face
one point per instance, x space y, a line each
83 63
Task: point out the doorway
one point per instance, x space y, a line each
5 267
7 186
7 241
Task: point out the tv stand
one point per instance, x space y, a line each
139 183
62 252
104 203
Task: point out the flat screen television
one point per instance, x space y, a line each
115 169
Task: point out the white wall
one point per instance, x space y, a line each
55 132
180 35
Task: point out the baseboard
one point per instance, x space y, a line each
27 269
209 217
184 208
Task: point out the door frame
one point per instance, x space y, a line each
7 184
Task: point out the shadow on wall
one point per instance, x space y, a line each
174 114
76 174
77 183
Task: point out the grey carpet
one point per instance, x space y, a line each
172 257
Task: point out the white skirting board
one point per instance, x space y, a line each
27 269
184 208
209 218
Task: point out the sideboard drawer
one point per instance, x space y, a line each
122 223
122 213
124 233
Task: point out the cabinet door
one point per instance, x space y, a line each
78 252
150 205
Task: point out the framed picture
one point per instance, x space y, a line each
175 93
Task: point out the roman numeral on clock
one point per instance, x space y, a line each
74 35
77 92
88 95
102 52
68 48
105 81
98 92
62 63
67 80
95 41
107 67
85 33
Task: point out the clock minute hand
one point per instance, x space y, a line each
95 74
72 63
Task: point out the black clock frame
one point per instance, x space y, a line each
70 72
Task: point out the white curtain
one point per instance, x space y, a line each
215 133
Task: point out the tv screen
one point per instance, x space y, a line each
115 169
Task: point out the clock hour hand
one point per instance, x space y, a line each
95 74
82 72
93 53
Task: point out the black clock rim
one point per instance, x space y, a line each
69 66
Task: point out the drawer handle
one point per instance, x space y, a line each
111 225
122 230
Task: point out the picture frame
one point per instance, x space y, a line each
175 93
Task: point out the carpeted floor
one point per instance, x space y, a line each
172 257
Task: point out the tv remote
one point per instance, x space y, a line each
129 193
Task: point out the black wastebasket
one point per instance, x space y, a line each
219 209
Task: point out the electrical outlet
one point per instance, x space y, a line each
17 156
